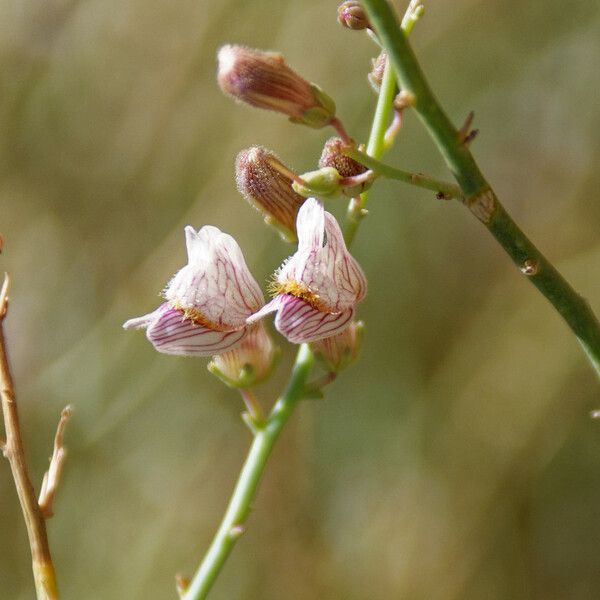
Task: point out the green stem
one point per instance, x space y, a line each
385 103
478 193
232 525
375 147
448 190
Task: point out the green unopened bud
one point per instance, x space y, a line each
352 15
324 183
339 351
249 363
264 80
261 179
377 69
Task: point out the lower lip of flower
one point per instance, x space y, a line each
298 290
195 316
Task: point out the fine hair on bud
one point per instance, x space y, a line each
352 15
332 157
377 69
263 79
267 189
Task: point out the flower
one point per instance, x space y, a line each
264 80
339 351
318 287
248 363
377 69
261 180
333 156
352 15
207 301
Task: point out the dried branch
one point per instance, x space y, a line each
43 569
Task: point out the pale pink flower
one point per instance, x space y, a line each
207 301
319 286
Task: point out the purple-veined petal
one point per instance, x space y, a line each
268 308
310 225
322 265
216 282
171 333
299 322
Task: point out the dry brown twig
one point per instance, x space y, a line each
34 514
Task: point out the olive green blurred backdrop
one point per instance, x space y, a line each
456 460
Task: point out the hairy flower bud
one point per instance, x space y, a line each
377 69
263 79
248 363
352 15
339 351
332 157
268 189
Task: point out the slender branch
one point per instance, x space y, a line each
233 523
43 568
480 198
376 145
445 189
54 472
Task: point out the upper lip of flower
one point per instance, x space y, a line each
215 289
322 271
208 300
318 287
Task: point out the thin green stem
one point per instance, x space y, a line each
232 525
478 193
376 145
447 190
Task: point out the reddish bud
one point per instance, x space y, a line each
332 157
264 80
352 15
268 189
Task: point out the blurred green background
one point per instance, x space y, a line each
456 460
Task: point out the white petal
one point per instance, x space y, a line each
216 281
299 322
170 333
328 271
310 225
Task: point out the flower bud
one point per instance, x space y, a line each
337 352
268 189
332 157
377 69
352 15
324 183
263 79
248 363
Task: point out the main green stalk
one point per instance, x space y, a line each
233 523
479 196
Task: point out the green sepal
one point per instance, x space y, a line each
320 115
323 183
